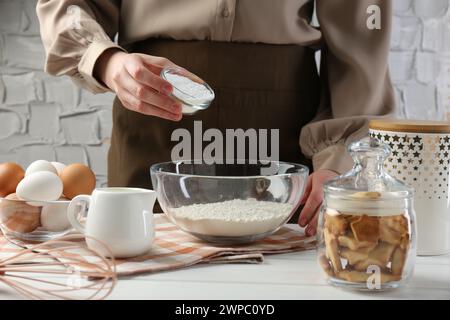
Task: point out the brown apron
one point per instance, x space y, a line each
257 86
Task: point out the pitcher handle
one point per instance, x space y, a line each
72 211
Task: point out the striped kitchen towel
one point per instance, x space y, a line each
175 249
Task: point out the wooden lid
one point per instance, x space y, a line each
419 126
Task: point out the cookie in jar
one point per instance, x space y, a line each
367 237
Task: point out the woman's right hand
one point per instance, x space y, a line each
135 78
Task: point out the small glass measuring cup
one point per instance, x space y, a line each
193 93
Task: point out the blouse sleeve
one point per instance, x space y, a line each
355 80
75 33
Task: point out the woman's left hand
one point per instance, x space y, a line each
312 199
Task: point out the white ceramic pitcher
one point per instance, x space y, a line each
121 218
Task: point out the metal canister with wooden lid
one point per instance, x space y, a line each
420 157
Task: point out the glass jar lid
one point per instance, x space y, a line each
367 186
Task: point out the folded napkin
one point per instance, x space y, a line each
175 249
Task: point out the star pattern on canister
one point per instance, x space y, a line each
421 161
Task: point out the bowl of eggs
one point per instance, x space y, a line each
33 202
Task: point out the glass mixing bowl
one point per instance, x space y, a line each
229 203
34 220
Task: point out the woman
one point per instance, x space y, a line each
258 55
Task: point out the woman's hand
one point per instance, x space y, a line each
135 79
312 199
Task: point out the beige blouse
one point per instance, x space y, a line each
355 69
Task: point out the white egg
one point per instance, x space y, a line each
54 217
40 186
40 165
58 166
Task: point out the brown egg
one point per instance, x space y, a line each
19 216
77 179
10 176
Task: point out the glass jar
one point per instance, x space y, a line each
367 230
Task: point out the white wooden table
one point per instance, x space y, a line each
284 276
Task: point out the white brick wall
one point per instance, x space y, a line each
50 118
42 116
420 52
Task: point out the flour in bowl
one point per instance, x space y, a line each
232 218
